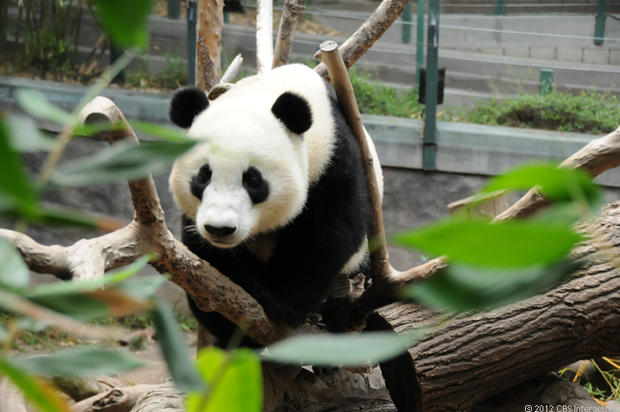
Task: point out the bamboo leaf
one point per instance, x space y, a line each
502 245
120 162
234 381
342 349
80 361
40 394
174 349
125 22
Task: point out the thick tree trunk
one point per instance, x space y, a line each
470 358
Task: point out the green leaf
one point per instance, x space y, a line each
558 184
163 132
14 273
120 162
234 379
17 192
43 396
78 286
341 349
125 22
80 361
36 104
462 288
502 245
25 135
63 216
143 287
174 349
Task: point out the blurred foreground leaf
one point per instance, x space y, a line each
17 191
35 103
56 289
26 136
509 244
125 22
120 162
14 273
174 349
342 349
80 361
462 288
558 184
42 395
234 382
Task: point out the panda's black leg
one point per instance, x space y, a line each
223 330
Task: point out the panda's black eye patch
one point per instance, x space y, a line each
200 181
256 186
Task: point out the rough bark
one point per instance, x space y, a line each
209 42
114 400
366 35
470 358
291 10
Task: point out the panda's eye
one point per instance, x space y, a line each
200 181
256 186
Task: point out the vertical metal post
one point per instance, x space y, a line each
174 9
406 16
500 7
429 147
599 27
546 81
226 17
192 17
419 52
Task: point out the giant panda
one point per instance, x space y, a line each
274 196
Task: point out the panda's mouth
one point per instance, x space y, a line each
222 242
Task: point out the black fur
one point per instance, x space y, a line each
186 104
200 181
309 252
293 111
256 186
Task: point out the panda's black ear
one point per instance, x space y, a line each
294 111
186 104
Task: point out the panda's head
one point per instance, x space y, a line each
250 175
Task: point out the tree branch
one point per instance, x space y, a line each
291 10
597 156
264 35
366 35
209 42
329 54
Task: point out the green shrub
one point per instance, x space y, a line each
373 98
588 112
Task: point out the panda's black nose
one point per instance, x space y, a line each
220 231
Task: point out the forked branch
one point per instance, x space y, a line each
368 33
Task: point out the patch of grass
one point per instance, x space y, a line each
600 377
588 112
29 339
374 98
173 76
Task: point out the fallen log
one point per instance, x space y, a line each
472 357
